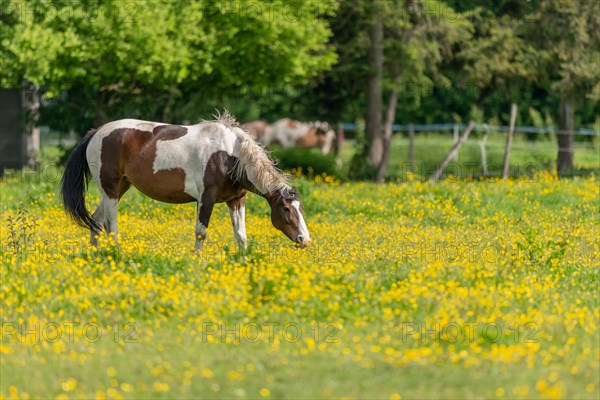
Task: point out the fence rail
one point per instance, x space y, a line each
478 128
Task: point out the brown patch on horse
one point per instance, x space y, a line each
217 178
164 185
310 139
128 158
170 132
112 168
219 186
236 204
292 124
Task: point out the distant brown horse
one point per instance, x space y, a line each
211 162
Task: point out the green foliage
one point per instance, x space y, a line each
419 38
476 114
564 39
551 44
177 62
308 161
160 58
163 43
359 168
536 118
21 228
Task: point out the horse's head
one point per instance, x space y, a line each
286 215
325 136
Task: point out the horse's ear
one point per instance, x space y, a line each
271 198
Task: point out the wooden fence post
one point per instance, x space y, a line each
455 132
511 130
482 143
411 147
435 177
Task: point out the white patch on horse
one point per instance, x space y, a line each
192 151
200 234
238 217
111 209
303 230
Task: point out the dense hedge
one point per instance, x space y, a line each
309 162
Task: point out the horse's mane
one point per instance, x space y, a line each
254 162
226 119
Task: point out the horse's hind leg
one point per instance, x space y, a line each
111 206
111 209
99 218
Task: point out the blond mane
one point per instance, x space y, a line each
253 161
226 119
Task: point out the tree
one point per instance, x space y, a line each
420 37
337 94
553 46
564 36
375 85
160 57
407 41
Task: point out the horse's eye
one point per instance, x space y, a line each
286 209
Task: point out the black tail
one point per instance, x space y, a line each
74 185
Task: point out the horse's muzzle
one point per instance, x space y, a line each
301 242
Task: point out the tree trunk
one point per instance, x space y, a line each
387 139
564 160
411 147
374 89
339 143
31 108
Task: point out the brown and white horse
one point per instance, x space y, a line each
211 162
290 133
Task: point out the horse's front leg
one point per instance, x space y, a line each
204 211
237 212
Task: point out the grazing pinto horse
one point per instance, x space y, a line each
290 133
211 162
